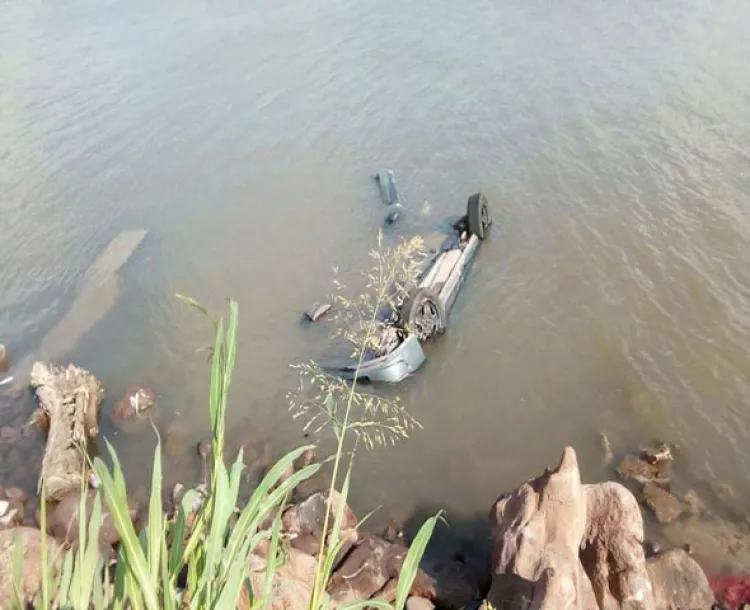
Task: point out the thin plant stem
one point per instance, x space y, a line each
340 445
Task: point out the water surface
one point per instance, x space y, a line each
611 139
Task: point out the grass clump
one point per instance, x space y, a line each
199 556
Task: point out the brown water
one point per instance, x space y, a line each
611 139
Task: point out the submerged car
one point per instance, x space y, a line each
425 313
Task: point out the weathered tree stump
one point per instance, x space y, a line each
70 399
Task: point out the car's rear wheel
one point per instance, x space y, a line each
424 314
478 214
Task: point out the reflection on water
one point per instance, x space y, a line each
614 292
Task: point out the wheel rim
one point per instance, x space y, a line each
426 320
485 216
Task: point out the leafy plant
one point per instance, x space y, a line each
198 557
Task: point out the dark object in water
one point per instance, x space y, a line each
387 183
3 359
425 313
317 311
394 212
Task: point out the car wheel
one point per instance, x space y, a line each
478 214
424 314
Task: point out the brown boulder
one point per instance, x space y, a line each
62 519
612 548
3 359
679 582
363 573
638 468
308 516
663 504
137 404
292 582
32 562
536 533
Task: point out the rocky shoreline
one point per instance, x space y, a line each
555 542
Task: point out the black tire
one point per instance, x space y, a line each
478 214
424 313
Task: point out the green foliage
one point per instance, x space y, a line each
206 545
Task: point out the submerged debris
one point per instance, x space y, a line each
317 311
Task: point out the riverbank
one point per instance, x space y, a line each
551 530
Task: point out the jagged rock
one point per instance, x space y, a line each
637 468
307 517
32 562
363 573
665 506
612 549
659 452
70 397
536 533
679 582
138 404
292 582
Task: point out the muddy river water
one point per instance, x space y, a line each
610 138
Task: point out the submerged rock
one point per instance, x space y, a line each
637 468
63 523
137 404
679 582
317 311
664 505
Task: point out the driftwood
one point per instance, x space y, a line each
69 399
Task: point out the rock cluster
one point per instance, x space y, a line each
558 544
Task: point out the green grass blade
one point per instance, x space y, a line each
176 559
118 508
120 590
413 558
249 517
66 580
232 589
46 568
216 390
335 544
168 591
276 496
90 559
155 513
271 561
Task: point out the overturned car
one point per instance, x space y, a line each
424 313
